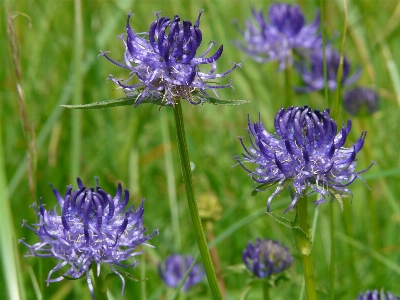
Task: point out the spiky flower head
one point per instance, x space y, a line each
266 257
361 99
174 268
311 71
93 228
306 151
164 62
376 295
285 35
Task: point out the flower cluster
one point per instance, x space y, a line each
266 257
361 99
174 269
376 295
93 228
312 71
286 34
166 65
306 150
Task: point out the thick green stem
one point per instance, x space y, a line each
288 86
99 291
306 258
265 288
333 253
194 211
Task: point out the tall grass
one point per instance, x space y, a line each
128 145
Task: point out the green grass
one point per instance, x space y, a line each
130 145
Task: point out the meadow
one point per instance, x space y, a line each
137 146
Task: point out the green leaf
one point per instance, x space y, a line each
224 102
133 98
266 186
281 220
302 239
130 100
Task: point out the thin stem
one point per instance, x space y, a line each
333 253
76 116
324 56
194 211
215 257
339 79
265 288
306 258
27 125
288 86
99 291
169 167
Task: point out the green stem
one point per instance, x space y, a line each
336 107
98 286
288 86
76 116
306 258
194 211
173 205
327 99
333 253
265 288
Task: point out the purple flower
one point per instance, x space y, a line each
306 151
93 228
361 99
376 295
174 269
266 257
165 64
312 71
286 33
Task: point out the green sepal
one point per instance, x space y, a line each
266 186
338 197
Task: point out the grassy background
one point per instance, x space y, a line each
132 146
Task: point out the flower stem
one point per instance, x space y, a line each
333 254
265 288
306 258
288 87
194 211
99 291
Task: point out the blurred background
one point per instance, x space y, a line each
137 146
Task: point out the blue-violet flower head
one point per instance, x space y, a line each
306 151
361 99
266 257
93 228
286 34
165 64
376 295
174 269
311 71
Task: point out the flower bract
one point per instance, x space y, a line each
92 228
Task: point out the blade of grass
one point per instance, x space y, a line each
76 116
